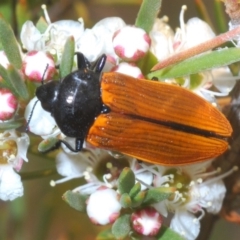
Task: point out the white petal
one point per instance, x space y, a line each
71 165
10 184
197 31
42 123
30 37
185 224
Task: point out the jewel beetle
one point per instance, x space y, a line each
153 121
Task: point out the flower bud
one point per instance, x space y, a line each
131 43
128 68
147 221
38 66
103 206
9 104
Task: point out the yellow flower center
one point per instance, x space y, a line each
8 151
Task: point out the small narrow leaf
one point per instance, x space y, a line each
199 63
138 199
126 180
147 14
168 234
67 57
9 44
48 144
121 227
17 82
125 200
135 190
6 81
75 200
155 195
11 124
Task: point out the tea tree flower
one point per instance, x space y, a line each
38 66
13 151
147 221
103 206
131 43
9 104
128 68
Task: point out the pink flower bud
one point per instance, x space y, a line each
129 69
131 43
103 206
147 221
36 63
9 104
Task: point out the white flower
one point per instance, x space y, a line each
103 206
186 224
38 66
40 122
128 68
98 40
131 43
147 221
3 59
13 151
197 188
11 186
9 104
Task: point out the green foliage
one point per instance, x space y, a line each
203 62
9 44
168 234
67 57
47 144
147 14
75 200
121 227
126 180
158 194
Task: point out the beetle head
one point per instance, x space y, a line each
47 94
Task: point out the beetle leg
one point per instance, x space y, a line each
78 145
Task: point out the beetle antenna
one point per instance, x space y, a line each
82 61
42 80
30 116
99 64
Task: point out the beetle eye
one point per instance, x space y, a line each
47 94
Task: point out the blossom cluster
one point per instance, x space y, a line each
188 189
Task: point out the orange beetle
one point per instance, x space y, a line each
153 121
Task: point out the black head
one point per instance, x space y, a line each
75 101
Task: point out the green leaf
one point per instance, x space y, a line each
146 63
126 180
48 144
147 14
125 200
168 234
138 199
105 235
67 57
75 200
41 25
155 195
135 190
17 82
11 124
121 227
6 83
9 44
199 63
